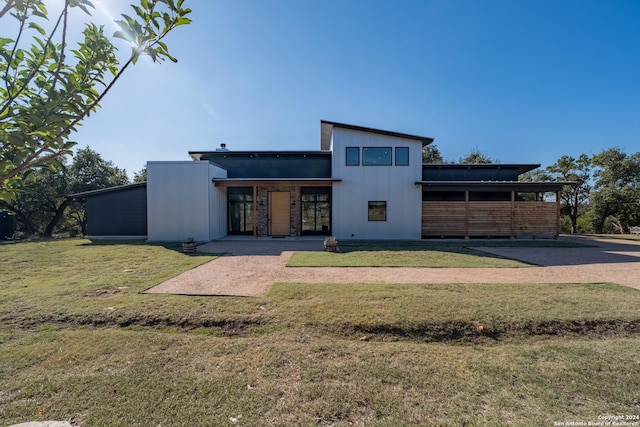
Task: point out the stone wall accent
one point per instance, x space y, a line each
295 213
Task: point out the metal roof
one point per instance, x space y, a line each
99 191
238 182
524 186
521 167
212 155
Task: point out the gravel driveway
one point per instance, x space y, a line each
249 267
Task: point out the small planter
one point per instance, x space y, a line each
189 246
331 244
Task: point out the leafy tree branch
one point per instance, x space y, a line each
48 93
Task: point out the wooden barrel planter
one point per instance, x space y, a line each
189 246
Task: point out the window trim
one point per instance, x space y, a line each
375 218
396 156
377 164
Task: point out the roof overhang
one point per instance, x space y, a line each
211 155
267 182
326 128
521 167
91 193
493 186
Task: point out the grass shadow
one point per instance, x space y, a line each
449 245
173 246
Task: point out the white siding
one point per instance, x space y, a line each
217 204
182 201
361 184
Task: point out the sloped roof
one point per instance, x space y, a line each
326 127
100 191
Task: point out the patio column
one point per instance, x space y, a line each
466 215
513 214
255 212
557 215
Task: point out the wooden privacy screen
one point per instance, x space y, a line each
490 219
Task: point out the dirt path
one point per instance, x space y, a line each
250 267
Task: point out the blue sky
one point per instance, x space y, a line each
523 81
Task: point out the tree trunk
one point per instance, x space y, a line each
573 216
48 231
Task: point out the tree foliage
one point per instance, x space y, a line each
140 176
42 204
573 197
476 157
49 88
431 154
616 195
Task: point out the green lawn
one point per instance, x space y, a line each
424 253
619 236
79 342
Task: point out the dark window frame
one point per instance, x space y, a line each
373 205
242 197
315 192
346 155
396 156
364 159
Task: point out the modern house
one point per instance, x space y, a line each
363 183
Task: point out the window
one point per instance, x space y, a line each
377 211
353 156
240 210
376 156
402 156
316 210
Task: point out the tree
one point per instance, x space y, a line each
573 197
42 202
49 89
431 154
476 157
616 195
90 171
140 176
536 175
38 199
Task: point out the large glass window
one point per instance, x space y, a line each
376 156
240 210
353 156
378 211
402 156
316 211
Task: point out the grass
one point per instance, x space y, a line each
76 281
198 380
425 253
457 312
619 236
340 355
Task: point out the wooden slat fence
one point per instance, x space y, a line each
490 219
536 219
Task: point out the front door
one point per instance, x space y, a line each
279 213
